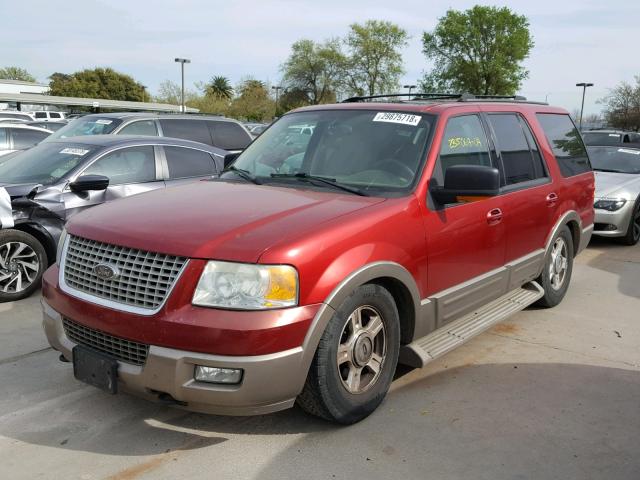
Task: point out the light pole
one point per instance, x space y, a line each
410 87
584 89
182 61
277 88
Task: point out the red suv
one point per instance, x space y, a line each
345 239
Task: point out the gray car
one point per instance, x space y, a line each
216 131
43 187
617 197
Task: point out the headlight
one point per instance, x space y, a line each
247 286
63 237
610 204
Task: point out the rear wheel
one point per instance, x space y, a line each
22 263
355 361
558 267
633 231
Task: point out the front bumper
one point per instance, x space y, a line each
613 224
270 382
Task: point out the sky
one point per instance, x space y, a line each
575 40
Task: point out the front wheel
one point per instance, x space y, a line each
558 267
22 263
356 358
633 231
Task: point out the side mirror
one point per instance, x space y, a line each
470 181
89 182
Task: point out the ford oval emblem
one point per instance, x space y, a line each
104 271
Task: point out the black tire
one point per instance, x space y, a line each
325 393
633 230
554 292
30 279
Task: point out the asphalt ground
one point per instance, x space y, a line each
548 394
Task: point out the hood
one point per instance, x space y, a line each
213 219
622 184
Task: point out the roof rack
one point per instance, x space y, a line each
458 97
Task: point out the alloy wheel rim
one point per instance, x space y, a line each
636 224
362 350
19 267
559 264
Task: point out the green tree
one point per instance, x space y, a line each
253 103
16 73
315 69
374 63
622 106
219 87
478 51
97 83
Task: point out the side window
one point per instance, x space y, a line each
520 157
126 165
142 127
566 143
23 138
41 114
229 135
54 115
188 162
195 130
464 143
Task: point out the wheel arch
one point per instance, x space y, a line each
42 235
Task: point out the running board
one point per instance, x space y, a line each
443 340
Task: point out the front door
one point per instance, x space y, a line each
466 241
131 170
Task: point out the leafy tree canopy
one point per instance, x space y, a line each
622 106
16 73
479 51
219 87
97 83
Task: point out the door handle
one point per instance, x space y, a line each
552 198
494 216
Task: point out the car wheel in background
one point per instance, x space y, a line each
633 230
558 265
356 359
22 263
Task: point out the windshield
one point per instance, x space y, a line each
374 151
86 126
45 163
615 159
601 138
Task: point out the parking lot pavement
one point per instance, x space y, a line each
547 394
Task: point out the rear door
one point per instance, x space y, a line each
131 170
466 241
187 129
530 201
184 164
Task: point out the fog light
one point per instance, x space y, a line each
229 376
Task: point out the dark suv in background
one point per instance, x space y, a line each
216 131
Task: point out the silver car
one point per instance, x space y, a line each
43 187
617 197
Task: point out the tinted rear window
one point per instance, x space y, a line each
229 135
601 138
195 130
566 143
188 162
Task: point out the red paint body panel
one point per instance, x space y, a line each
183 326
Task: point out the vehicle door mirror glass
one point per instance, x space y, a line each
465 183
86 183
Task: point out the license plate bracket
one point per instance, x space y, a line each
95 368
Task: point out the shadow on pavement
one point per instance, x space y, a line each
489 421
619 259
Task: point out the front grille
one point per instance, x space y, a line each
144 279
124 350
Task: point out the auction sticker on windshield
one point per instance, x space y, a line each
102 121
74 151
392 117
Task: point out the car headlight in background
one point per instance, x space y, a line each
63 237
246 286
609 204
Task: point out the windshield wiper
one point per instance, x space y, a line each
245 174
324 180
608 170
